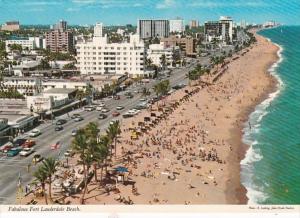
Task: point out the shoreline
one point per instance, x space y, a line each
245 115
272 91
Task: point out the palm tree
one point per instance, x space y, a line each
41 177
80 146
103 152
163 61
49 166
113 131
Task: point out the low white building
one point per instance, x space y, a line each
101 57
27 43
25 85
157 51
50 99
63 84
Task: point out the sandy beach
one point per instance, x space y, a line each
192 154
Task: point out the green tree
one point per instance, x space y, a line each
50 167
113 131
41 177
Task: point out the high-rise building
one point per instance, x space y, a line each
61 25
221 30
153 28
227 28
194 24
177 26
186 44
98 30
11 26
60 39
101 57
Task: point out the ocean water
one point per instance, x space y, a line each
271 168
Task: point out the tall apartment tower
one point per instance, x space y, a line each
98 30
61 25
153 28
177 25
59 39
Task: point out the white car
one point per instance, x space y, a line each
99 108
35 133
133 111
105 110
26 152
101 104
119 107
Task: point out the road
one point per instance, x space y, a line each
11 167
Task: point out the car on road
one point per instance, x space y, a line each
143 99
37 158
89 108
127 115
99 108
59 128
129 96
115 114
119 107
28 143
6 147
75 116
55 145
35 133
26 152
102 116
13 152
116 97
61 122
105 110
133 111
19 142
101 104
74 132
78 119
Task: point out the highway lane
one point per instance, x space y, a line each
10 168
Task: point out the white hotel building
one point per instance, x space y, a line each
101 57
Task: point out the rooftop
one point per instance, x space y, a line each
60 91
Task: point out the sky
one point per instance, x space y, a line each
120 12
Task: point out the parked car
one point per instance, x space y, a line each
59 128
89 108
74 132
61 122
102 116
6 147
119 107
19 142
28 143
116 97
127 115
105 110
78 119
75 116
115 114
37 158
13 152
26 152
99 108
35 133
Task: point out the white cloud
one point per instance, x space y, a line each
83 1
166 4
42 3
216 4
72 9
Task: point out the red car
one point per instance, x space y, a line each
7 147
115 114
28 143
55 146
